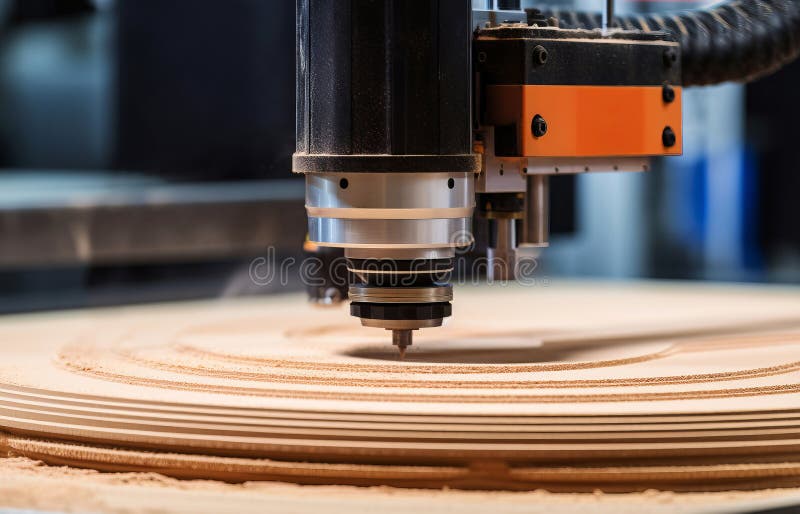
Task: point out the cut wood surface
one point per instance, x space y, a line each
571 387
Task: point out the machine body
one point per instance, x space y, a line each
413 114
409 115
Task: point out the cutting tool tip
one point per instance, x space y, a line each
402 339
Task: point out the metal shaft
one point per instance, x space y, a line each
536 226
502 254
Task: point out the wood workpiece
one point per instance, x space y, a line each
565 388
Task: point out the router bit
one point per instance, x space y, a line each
402 339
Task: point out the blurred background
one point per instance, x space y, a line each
145 151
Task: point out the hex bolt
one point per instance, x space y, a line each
538 126
668 93
668 137
539 55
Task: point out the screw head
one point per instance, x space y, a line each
668 137
668 93
539 55
538 126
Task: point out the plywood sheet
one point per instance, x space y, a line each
570 387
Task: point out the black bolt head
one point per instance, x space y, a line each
539 55
668 137
538 126
668 93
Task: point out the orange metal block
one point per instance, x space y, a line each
585 121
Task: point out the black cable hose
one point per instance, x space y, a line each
737 40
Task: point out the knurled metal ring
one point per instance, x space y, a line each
396 312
